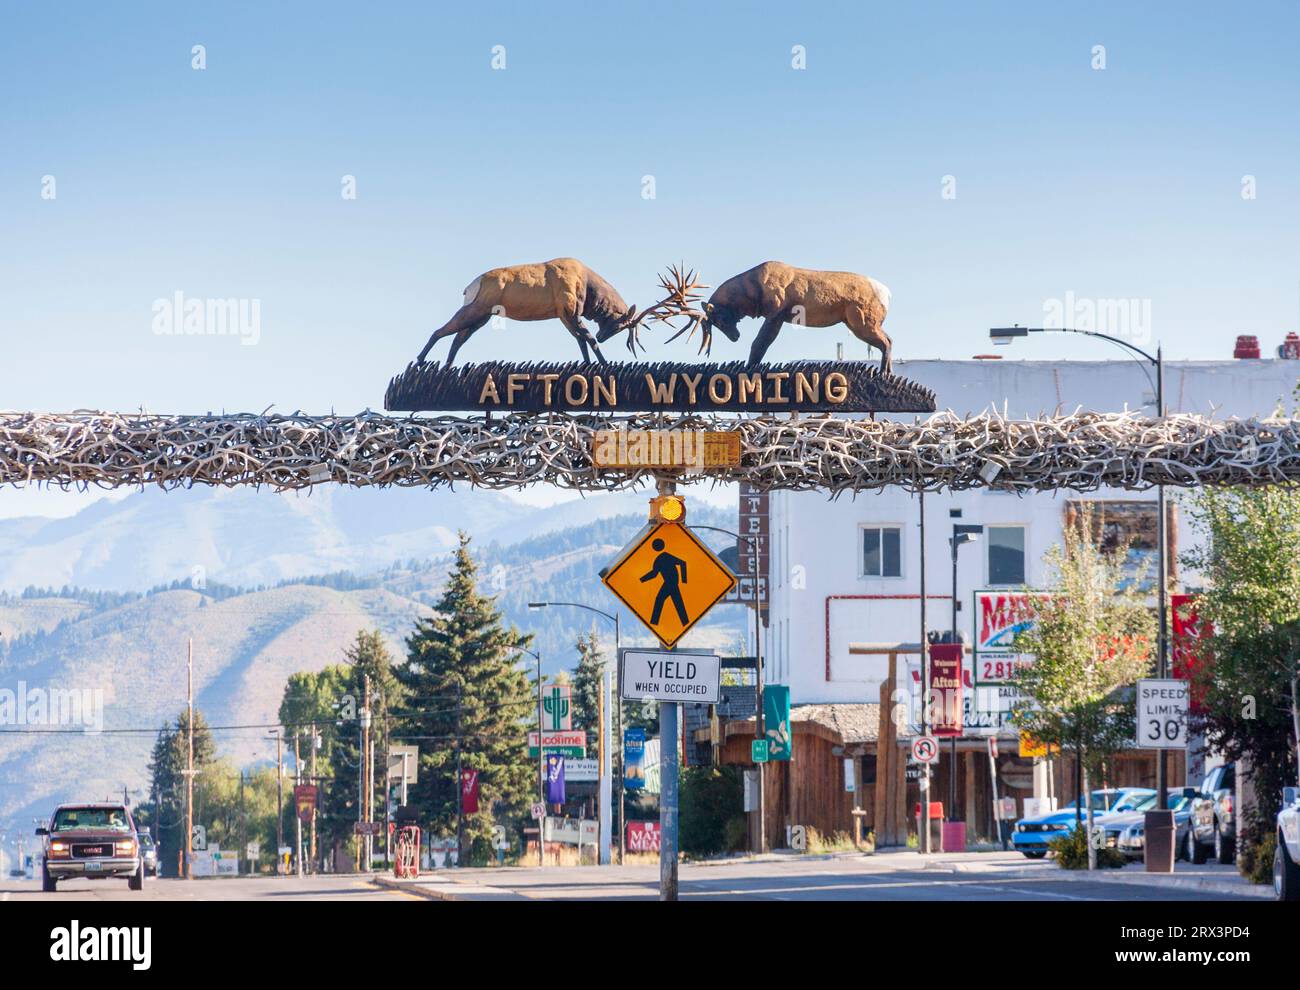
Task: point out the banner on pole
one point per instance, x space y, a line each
554 778
944 696
469 792
776 722
634 759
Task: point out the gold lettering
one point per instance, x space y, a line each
661 393
777 378
548 382
638 441
806 390
609 390
837 387
715 393
515 383
568 389
489 390
690 384
750 385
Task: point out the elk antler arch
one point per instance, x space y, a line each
1081 452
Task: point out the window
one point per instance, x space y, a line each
1006 554
882 552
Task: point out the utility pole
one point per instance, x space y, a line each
297 818
243 822
189 762
367 770
279 800
1162 541
460 786
315 744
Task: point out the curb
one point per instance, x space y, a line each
444 892
1150 880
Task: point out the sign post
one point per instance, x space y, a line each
669 677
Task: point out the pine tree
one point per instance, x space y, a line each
167 766
469 694
588 680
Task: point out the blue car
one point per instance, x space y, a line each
1031 835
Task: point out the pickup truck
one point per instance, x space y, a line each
1286 858
91 842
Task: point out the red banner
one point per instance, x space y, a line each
1189 644
304 799
944 695
468 792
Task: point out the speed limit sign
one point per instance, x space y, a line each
1162 714
925 749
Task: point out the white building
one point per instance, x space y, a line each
848 570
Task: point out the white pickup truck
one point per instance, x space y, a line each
1286 860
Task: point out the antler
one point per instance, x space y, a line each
683 293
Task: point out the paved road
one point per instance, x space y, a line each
337 887
889 877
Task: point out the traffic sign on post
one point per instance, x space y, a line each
758 750
1162 714
925 749
670 675
668 579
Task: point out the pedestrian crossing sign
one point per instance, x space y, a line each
668 579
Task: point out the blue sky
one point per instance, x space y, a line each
1124 182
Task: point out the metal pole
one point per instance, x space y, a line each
316 804
1162 537
279 801
924 844
760 726
541 768
618 676
297 818
668 799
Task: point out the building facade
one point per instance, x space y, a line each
844 575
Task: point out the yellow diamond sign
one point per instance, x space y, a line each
669 579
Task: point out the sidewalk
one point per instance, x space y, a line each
1211 878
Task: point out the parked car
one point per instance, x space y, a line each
1286 858
1127 832
1213 821
150 853
92 841
1031 835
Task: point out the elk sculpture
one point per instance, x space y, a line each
567 290
781 294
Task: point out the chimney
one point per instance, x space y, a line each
1247 347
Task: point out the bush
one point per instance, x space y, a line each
1071 851
711 798
1255 859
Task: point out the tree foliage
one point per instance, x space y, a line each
1245 686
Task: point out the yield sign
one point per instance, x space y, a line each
669 579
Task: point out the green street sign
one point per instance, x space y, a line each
758 750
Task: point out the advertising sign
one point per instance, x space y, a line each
633 759
304 799
567 742
557 703
776 722
643 837
1000 616
581 771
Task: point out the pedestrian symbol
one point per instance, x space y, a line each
669 579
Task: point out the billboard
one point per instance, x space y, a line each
1001 616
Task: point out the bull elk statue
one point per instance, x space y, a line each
780 294
567 290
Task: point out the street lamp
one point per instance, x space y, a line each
541 759
1005 335
962 533
618 675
